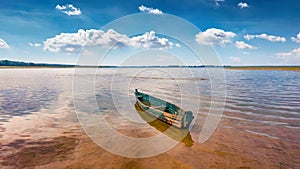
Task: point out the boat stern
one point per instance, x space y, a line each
188 118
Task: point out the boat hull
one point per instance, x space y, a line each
164 111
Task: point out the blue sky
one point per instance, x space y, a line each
244 32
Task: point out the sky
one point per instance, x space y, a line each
244 32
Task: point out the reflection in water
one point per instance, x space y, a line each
182 135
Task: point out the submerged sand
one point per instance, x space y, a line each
67 146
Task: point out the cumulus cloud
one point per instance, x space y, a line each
296 39
214 37
3 44
143 8
71 42
150 40
34 44
68 9
243 5
235 59
294 53
291 57
270 38
243 45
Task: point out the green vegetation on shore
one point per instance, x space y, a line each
12 64
18 64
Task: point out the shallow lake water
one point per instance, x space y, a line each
259 125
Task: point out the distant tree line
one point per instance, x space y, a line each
17 63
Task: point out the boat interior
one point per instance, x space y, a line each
158 104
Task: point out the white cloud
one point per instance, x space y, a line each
143 8
68 9
235 59
149 40
214 37
296 39
271 38
243 45
34 44
71 42
217 2
292 57
243 5
3 44
294 53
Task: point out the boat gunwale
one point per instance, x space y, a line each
179 110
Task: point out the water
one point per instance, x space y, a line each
262 103
265 99
255 100
256 97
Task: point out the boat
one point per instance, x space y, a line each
163 110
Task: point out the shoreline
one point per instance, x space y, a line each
33 67
283 68
269 68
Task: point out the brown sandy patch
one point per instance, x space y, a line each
90 155
233 148
25 153
227 148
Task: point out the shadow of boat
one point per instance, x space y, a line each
182 135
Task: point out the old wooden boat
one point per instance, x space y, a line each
163 110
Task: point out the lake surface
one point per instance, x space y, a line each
259 108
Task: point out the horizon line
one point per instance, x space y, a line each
41 64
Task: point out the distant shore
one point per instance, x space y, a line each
33 67
8 64
283 68
287 68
